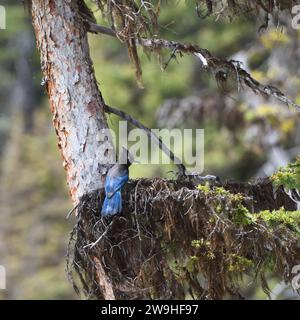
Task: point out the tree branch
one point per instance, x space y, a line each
173 221
150 133
221 68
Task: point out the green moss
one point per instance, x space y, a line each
197 243
190 266
205 247
225 202
239 263
210 255
221 191
288 176
289 218
204 188
200 243
242 215
219 209
237 198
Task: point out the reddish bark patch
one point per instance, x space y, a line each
68 40
73 192
52 6
92 107
52 108
78 68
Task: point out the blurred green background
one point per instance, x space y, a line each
246 136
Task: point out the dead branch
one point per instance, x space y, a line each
150 133
222 69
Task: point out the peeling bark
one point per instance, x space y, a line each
75 101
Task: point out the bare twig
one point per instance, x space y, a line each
92 245
71 211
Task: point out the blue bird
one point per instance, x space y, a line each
116 177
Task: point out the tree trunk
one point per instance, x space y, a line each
75 101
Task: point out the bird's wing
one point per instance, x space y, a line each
114 184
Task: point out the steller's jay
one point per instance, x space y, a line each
116 177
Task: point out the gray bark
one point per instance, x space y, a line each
75 101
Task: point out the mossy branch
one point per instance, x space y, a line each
175 240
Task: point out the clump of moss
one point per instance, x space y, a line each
238 264
199 243
205 188
242 215
291 219
204 248
288 176
192 263
224 202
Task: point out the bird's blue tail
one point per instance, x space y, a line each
112 205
